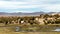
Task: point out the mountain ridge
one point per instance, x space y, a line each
27 14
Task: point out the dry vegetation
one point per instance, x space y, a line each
44 19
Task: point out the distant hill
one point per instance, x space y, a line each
26 14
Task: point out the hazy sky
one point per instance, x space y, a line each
29 5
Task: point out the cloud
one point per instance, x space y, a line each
53 8
10 5
29 5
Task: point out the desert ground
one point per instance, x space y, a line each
4 30
44 28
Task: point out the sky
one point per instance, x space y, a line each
28 6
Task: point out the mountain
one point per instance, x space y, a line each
26 14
